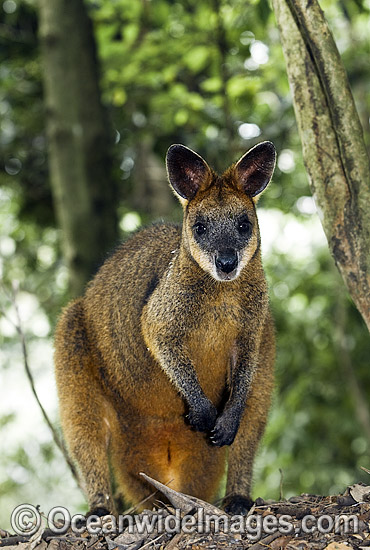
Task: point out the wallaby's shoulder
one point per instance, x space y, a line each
133 271
149 249
148 240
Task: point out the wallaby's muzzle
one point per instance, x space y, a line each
226 261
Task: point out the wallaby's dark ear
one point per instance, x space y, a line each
254 170
186 170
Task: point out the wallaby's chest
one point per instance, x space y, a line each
211 347
206 328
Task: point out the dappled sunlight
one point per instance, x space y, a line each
294 236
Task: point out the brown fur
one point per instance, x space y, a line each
156 337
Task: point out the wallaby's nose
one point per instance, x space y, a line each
227 260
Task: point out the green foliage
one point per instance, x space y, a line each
210 75
22 139
314 434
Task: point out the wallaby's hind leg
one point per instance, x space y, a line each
244 448
83 412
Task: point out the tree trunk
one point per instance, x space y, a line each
334 151
150 194
79 142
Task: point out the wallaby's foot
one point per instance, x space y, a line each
237 505
226 428
202 415
101 505
99 511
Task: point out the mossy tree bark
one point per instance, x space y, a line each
79 138
334 151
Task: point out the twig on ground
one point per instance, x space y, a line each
281 484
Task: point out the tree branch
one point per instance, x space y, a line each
333 147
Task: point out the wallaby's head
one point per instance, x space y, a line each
220 228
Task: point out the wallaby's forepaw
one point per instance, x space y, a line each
237 505
202 416
225 429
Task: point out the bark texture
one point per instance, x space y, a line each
79 142
334 151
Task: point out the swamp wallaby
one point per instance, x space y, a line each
167 360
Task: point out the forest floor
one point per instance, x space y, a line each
340 522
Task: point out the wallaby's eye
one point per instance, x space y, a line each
244 227
200 228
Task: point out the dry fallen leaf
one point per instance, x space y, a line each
280 542
298 545
360 493
338 546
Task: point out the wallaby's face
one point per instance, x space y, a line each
220 224
222 233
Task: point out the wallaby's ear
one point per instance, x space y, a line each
254 170
186 170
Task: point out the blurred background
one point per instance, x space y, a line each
209 74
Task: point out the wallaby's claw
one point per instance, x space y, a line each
225 430
202 416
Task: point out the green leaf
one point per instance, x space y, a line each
240 85
198 58
211 85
